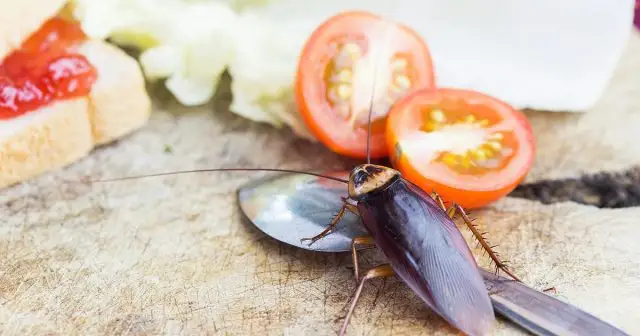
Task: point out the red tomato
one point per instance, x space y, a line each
470 148
335 79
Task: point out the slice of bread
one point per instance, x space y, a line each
65 131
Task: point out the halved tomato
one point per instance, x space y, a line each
351 60
470 148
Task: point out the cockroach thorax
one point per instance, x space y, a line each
366 178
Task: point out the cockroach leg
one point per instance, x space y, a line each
499 264
366 241
351 207
451 212
438 200
334 222
377 272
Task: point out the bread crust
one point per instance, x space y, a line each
119 100
65 131
54 137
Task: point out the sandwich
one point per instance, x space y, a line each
61 94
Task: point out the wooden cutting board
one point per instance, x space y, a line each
173 256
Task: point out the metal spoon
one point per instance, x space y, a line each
288 207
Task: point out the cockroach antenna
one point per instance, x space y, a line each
373 94
376 64
334 178
387 39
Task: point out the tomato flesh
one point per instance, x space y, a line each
350 61
43 70
470 148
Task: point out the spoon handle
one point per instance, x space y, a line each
540 313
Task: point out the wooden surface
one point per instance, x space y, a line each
172 255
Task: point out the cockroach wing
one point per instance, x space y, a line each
289 207
428 252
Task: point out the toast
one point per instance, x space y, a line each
64 131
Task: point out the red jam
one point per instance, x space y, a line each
44 70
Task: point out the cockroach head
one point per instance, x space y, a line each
367 178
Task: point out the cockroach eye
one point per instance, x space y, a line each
360 177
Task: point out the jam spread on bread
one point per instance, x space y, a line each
45 69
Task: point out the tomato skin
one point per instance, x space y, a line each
469 191
310 87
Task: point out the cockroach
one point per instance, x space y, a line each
302 203
425 249
417 234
